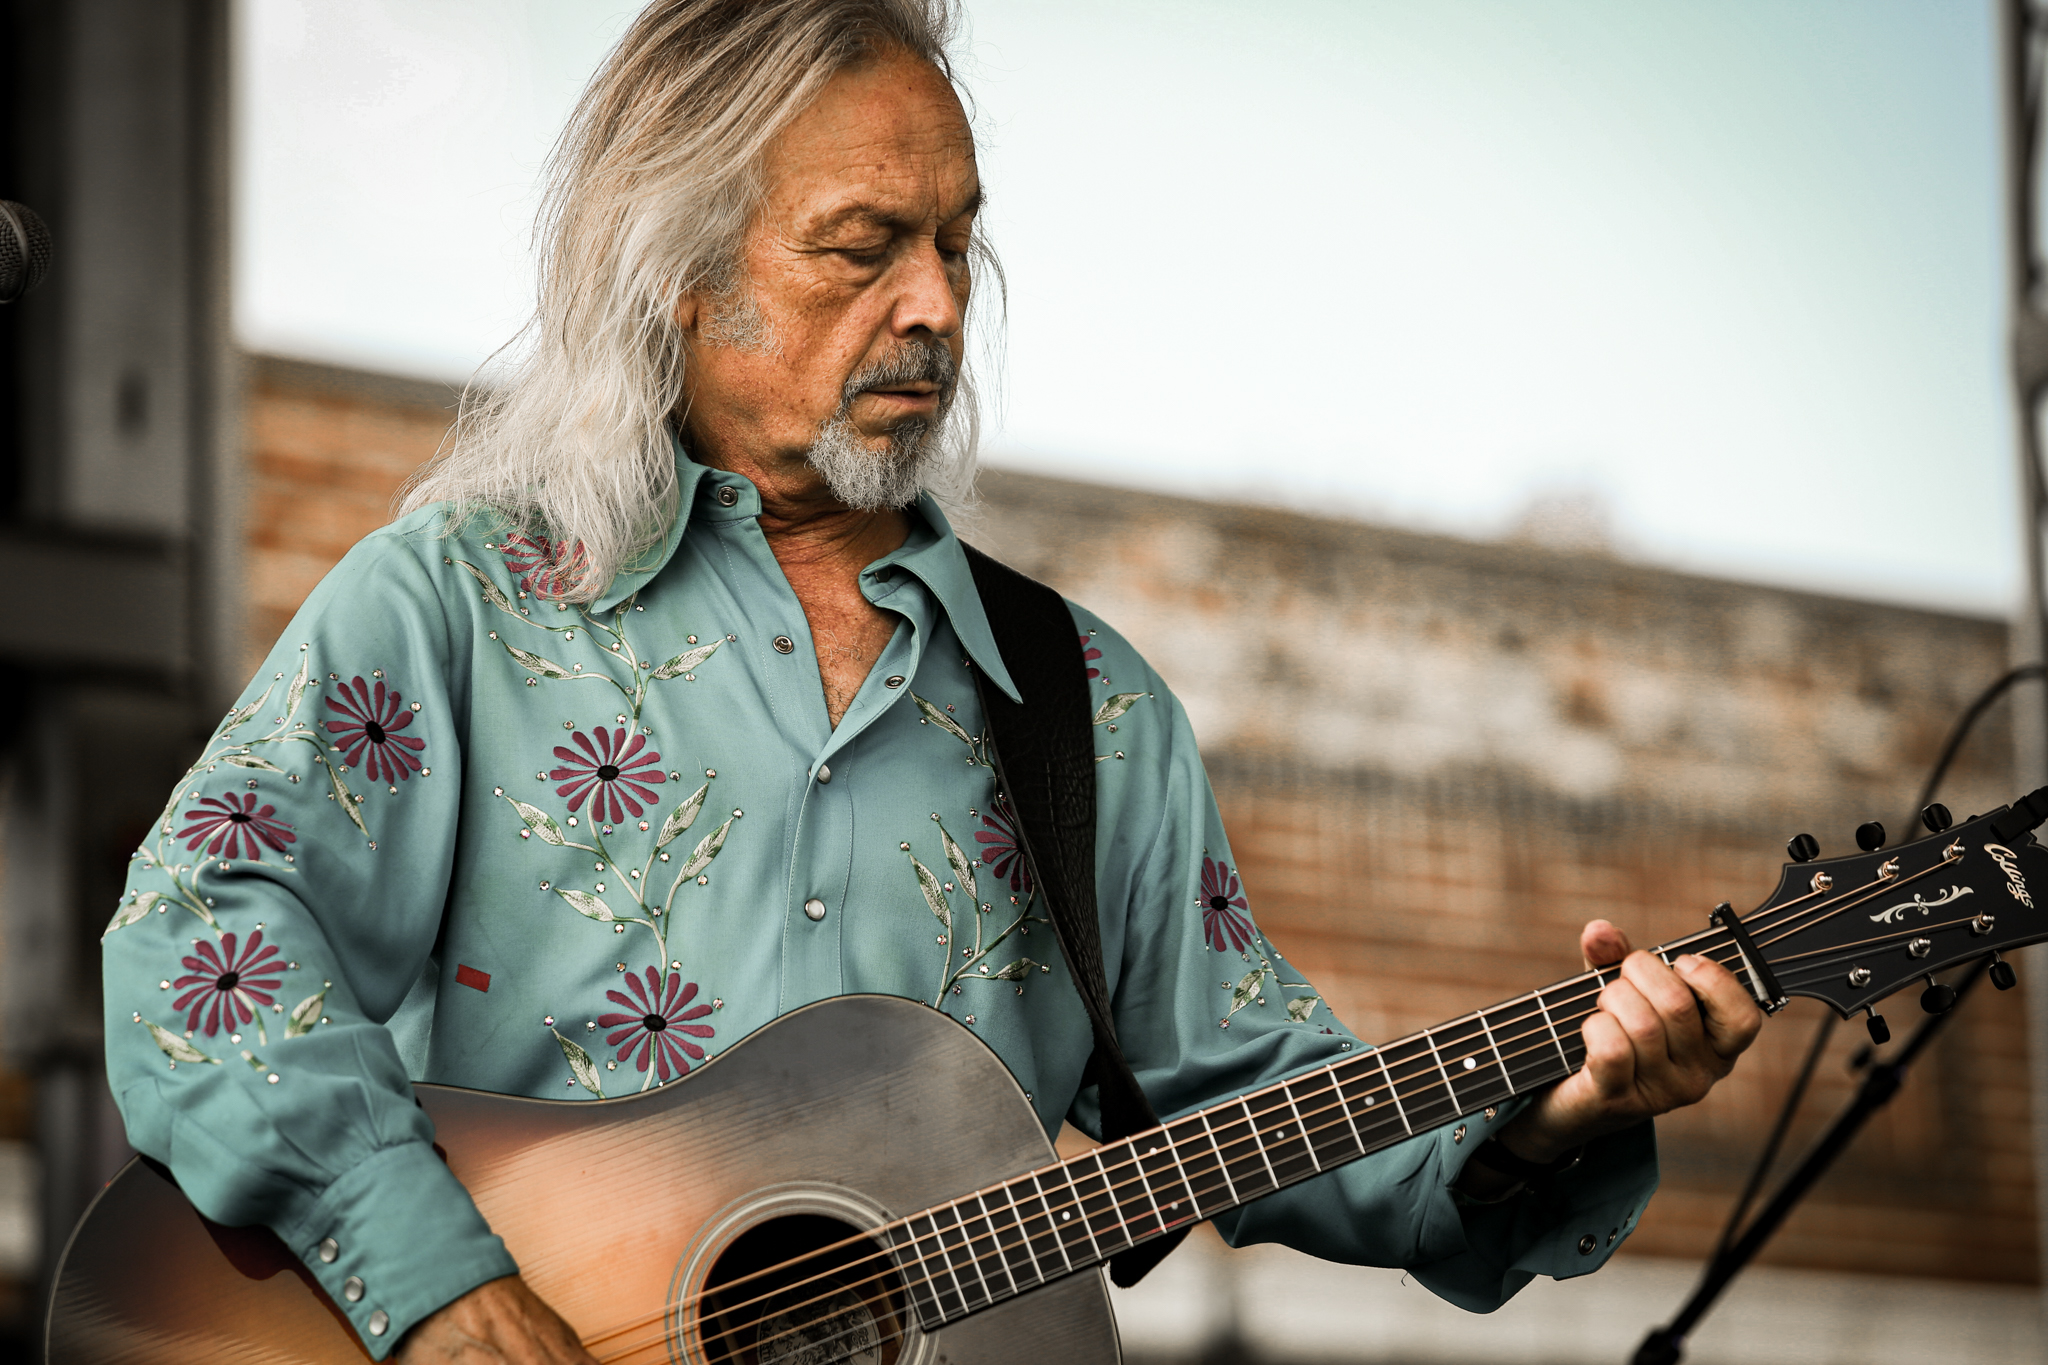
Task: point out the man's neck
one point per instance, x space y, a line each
822 545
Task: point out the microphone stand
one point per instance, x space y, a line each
1666 1345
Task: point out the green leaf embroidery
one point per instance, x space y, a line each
304 1015
942 720
251 761
540 822
176 1048
492 593
345 799
1248 989
700 858
1015 971
681 818
145 901
535 664
934 892
683 663
296 692
1300 1009
236 719
255 1063
580 1066
1116 706
963 867
589 905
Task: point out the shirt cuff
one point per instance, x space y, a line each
393 1240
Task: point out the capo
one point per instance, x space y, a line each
1762 983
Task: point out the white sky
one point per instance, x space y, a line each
1730 266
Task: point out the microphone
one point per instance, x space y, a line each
24 250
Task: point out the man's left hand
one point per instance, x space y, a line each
1661 1038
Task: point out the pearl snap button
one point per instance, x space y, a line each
352 1289
783 644
728 495
814 909
328 1250
380 1323
896 681
1587 1243
824 772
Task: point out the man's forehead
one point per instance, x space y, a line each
907 210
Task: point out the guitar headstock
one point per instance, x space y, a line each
1855 929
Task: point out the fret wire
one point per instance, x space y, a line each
1344 1107
1252 1127
1306 1141
1498 1060
1173 1149
967 1245
1145 1182
923 1280
946 1259
1551 1024
1429 1037
1116 1207
995 1238
1051 1223
1081 1210
1222 1163
1393 1093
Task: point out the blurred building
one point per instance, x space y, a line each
1436 759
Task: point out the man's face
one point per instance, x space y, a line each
856 273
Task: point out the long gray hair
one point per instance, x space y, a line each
650 193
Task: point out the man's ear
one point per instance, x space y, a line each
688 308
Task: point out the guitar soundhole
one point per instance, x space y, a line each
802 1290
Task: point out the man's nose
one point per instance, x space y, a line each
927 301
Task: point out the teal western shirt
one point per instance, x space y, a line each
458 832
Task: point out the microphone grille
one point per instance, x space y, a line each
24 250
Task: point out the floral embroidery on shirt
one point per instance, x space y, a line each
1000 849
1222 900
1089 654
227 987
659 1023
533 561
620 772
367 735
232 821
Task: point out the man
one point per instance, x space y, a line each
689 569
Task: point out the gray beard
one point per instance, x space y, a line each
870 480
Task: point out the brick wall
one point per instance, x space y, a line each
1437 758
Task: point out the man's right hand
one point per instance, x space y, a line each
501 1322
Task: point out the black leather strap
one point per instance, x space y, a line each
1044 755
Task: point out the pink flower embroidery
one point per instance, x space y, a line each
1222 901
661 1014
1000 850
227 988
1089 655
368 735
539 565
232 822
613 773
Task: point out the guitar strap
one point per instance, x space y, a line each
1044 755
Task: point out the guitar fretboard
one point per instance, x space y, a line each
979 1250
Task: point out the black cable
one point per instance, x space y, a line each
1964 725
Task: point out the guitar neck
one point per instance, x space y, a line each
990 1246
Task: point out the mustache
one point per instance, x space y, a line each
919 361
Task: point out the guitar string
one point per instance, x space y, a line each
1018 1224
1249 1133
1420 1068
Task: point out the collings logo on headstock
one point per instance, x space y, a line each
2008 863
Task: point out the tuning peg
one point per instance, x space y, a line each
2002 974
1870 836
1937 998
1936 818
1880 1031
1804 848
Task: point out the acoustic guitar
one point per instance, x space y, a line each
862 1183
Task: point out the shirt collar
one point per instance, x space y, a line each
931 554
629 580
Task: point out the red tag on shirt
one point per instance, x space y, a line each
470 976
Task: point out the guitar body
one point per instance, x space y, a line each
858 1109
